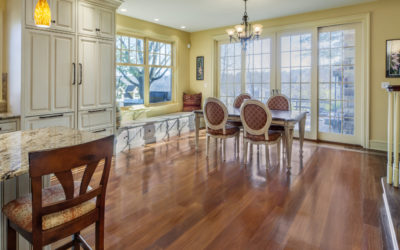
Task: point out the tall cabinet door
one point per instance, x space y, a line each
63 15
106 84
37 72
64 77
88 71
106 23
88 23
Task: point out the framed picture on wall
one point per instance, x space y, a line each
200 68
393 58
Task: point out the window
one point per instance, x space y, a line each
252 65
295 72
143 62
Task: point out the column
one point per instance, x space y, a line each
389 178
396 139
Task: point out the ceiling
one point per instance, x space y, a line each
198 15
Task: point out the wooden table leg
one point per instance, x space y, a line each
197 129
289 143
302 128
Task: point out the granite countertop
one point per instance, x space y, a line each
5 116
15 146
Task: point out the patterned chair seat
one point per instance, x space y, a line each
19 211
229 130
272 136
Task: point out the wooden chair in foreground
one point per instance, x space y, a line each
256 119
216 116
59 211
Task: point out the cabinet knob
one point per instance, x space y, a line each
98 30
53 21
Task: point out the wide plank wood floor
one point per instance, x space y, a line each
167 196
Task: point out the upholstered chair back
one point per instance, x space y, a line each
215 114
256 117
239 100
278 102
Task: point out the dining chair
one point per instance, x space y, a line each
53 213
240 99
216 116
236 105
256 119
279 102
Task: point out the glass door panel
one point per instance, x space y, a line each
230 72
295 76
258 69
337 84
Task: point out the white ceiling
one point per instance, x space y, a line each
206 14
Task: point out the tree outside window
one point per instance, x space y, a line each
131 53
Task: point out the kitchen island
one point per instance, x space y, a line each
14 163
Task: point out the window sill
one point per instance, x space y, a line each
142 111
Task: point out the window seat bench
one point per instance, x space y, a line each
136 133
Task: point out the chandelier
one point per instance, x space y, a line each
245 31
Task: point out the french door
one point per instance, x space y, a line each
339 74
318 69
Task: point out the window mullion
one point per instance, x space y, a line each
243 71
146 73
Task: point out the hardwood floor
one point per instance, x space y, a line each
167 196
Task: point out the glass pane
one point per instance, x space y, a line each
285 74
160 80
324 74
348 74
324 91
336 56
305 74
130 85
324 57
336 39
348 56
324 40
295 43
306 58
306 42
295 59
306 91
285 43
349 38
285 59
348 126
295 75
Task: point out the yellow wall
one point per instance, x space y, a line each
384 25
181 39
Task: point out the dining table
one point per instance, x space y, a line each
287 119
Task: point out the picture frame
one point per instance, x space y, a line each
393 58
200 68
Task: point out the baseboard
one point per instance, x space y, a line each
378 145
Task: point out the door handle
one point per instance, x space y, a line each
99 131
50 116
74 82
80 73
96 110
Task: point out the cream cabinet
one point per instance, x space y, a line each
96 21
63 14
50 73
63 120
96 73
